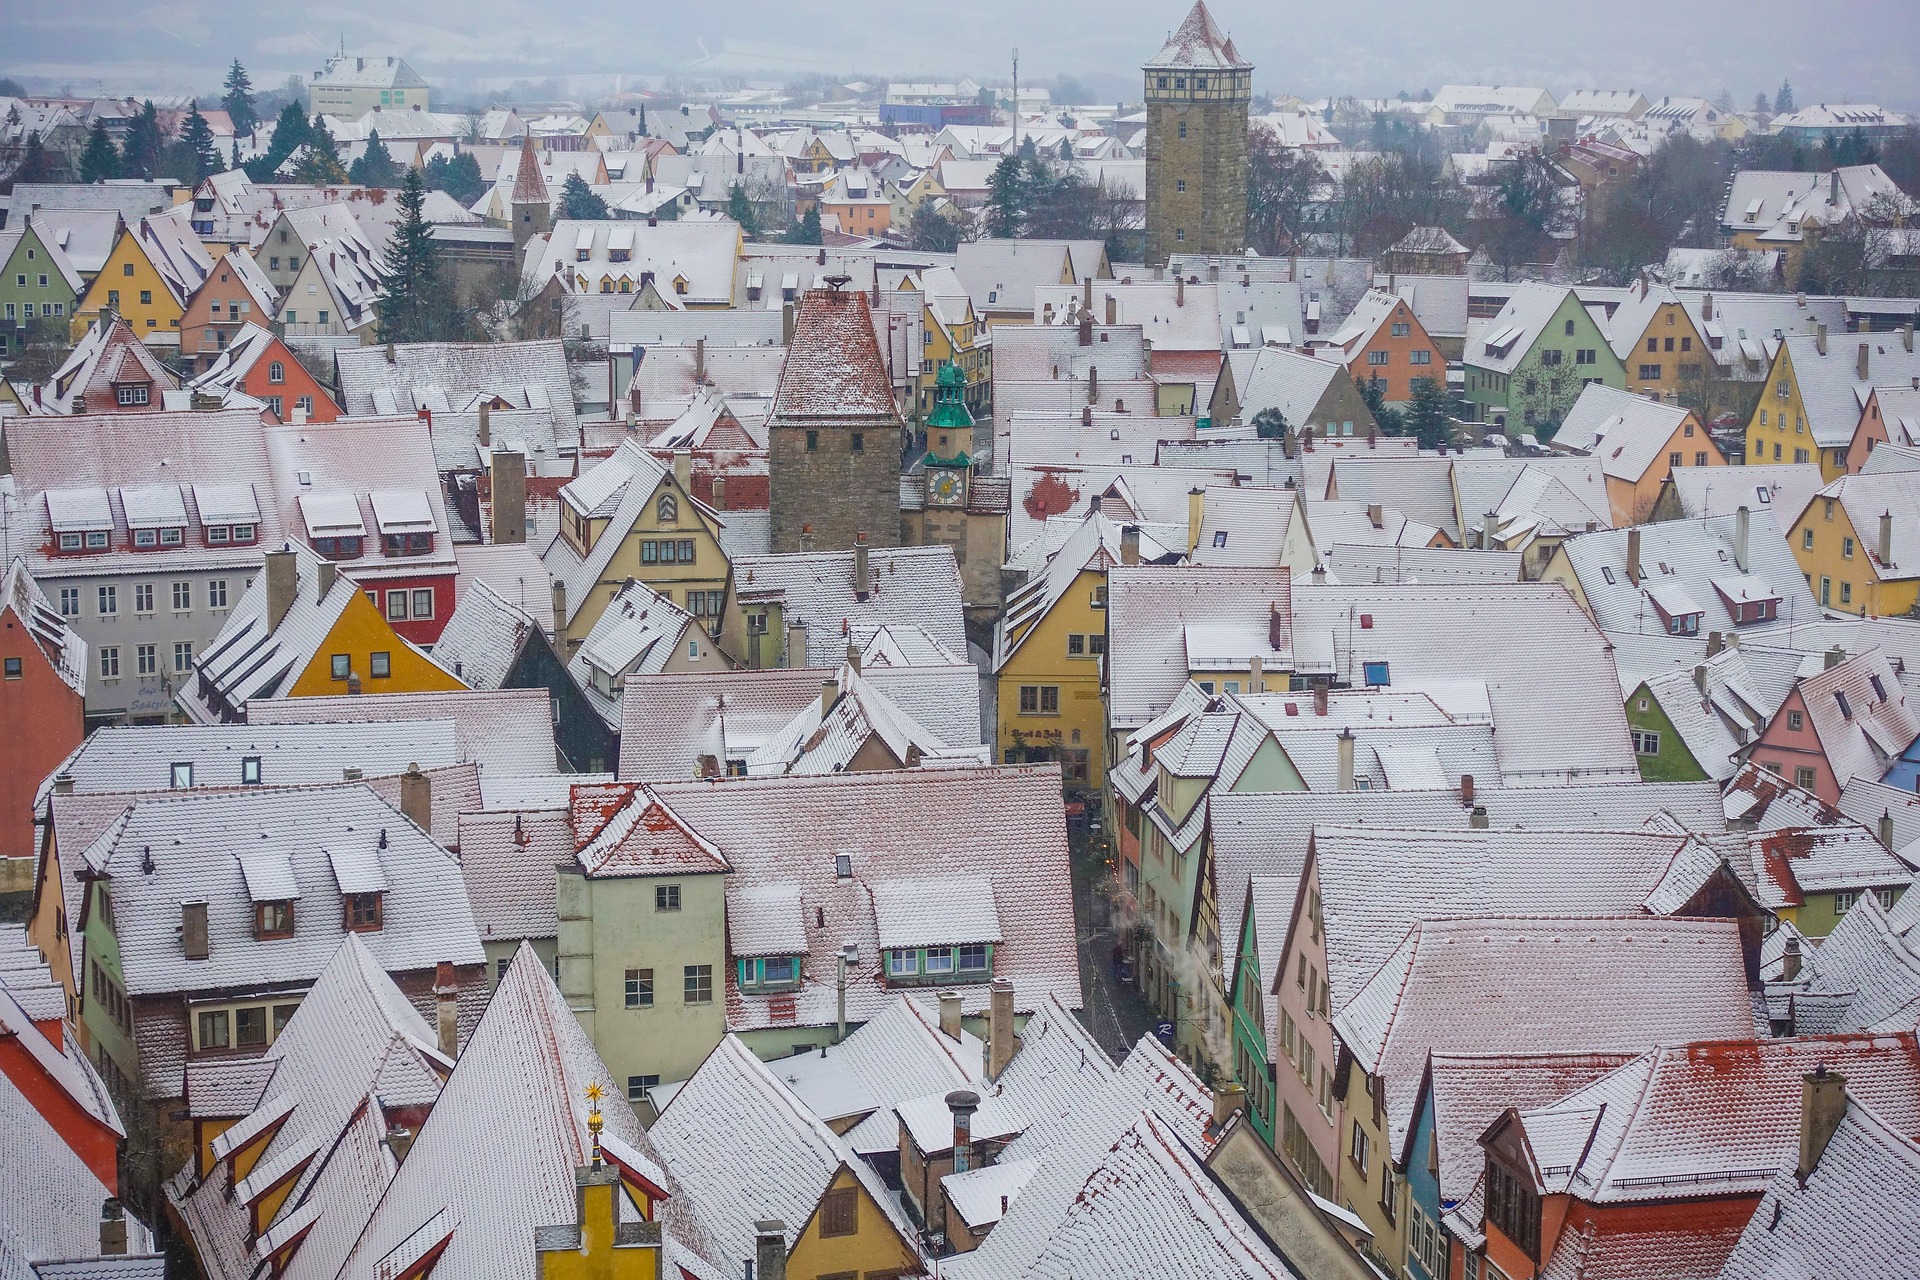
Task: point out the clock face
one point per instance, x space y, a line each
944 487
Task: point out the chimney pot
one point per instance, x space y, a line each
1466 789
416 797
862 576
950 1014
446 1008
1823 1104
963 1103
1477 818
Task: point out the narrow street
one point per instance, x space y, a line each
1116 1013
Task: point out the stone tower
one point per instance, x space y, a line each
529 207
833 436
1199 90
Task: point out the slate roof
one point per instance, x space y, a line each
1712 1118
746 1149
1509 983
515 1100
1859 1208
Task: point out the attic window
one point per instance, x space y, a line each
250 771
362 912
180 776
1846 708
1220 538
273 919
1879 690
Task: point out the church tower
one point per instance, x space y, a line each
1199 91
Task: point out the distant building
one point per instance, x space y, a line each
351 87
1199 89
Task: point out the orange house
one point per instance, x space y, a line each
33 1060
1891 416
43 697
235 293
857 199
257 363
1382 339
1639 441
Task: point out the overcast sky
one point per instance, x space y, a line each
1832 50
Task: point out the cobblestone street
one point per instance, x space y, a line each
1115 1012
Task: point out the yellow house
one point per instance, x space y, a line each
152 270
598 1245
1639 442
1664 353
1858 542
1810 404
632 517
951 333
303 630
1048 652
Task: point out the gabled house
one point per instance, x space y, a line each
235 293
1858 540
1310 394
631 519
1810 404
326 271
39 286
304 629
109 370
492 643
806 607
154 267
1658 342
685 264
1846 721
1679 1145
1891 415
253 362
1529 365
43 687
831 1209
1383 341
1639 443
640 632
365 492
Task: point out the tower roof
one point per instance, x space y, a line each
1201 44
528 186
834 368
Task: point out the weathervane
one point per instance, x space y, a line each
594 1121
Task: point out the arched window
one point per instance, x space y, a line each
667 509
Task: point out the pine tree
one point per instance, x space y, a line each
741 210
196 144
290 132
142 153
237 101
1270 424
375 167
34 165
1761 107
580 202
459 177
1426 417
807 229
1004 197
320 166
1783 103
413 307
100 160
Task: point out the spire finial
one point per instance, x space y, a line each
594 1121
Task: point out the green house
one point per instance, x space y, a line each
1534 358
1658 747
1263 936
38 286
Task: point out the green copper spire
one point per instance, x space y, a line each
949 415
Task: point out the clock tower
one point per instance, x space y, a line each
945 503
949 440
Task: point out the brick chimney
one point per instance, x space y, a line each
1093 385
770 1250
193 930
1823 1104
1001 1041
416 797
509 500
446 1008
862 574
950 1014
1466 789
283 584
719 492
1276 628
1319 699
1633 556
1129 544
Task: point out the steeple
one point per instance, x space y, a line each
529 207
1199 44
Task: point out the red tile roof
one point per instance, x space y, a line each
834 368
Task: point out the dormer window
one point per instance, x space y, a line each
768 974
363 912
133 393
406 521
273 919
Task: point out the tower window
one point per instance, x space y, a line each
1183 128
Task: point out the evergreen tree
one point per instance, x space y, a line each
100 160
1761 107
375 167
1004 197
290 131
741 210
932 232
1389 420
1270 424
198 157
1427 416
807 229
582 203
459 177
1783 103
237 101
321 164
34 165
142 153
413 306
